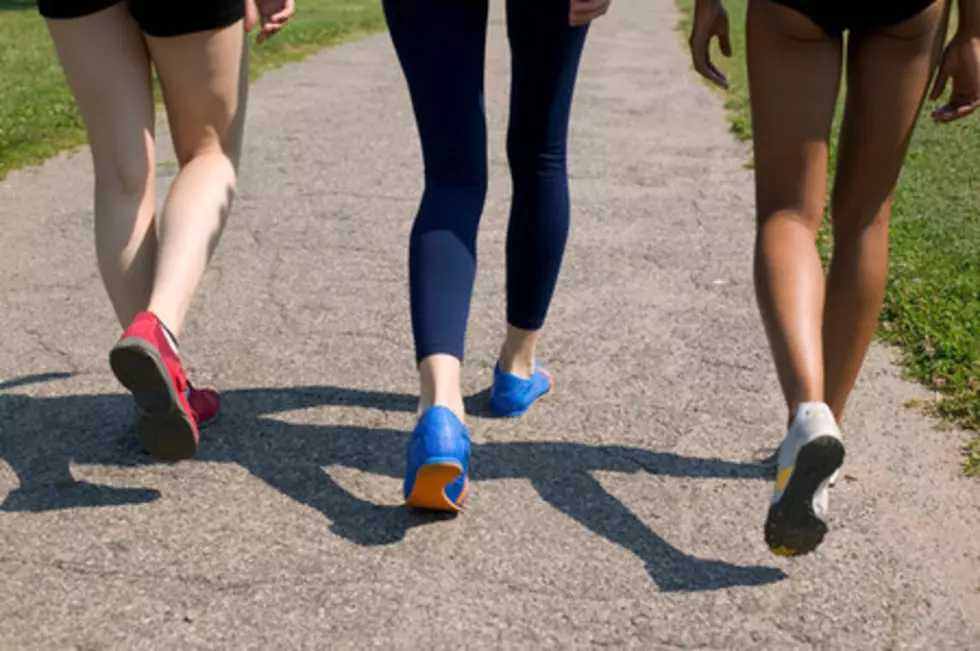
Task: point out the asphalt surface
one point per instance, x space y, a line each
625 512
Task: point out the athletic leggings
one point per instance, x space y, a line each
441 46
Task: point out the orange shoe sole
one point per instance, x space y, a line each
429 491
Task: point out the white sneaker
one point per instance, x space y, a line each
809 458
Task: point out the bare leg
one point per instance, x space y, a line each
886 68
204 77
517 355
794 75
440 379
107 67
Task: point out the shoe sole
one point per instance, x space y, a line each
164 428
429 491
792 527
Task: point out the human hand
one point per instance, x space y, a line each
961 63
710 21
582 12
270 15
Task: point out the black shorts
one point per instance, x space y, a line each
156 17
837 16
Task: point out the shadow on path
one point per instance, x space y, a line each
42 436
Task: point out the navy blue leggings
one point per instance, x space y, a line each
441 45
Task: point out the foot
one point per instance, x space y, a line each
512 396
146 363
809 458
437 478
205 403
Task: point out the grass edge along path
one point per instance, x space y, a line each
38 117
932 308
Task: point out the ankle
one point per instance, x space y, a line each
521 365
454 405
517 354
795 406
439 385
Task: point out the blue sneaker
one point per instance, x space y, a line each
438 462
512 396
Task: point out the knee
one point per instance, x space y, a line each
210 161
124 171
855 219
451 204
461 182
529 162
789 216
854 228
207 149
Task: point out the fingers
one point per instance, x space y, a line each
716 77
699 56
725 40
942 78
700 52
945 115
954 110
964 98
285 13
584 19
706 69
268 31
272 23
585 11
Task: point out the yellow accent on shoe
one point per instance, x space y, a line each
783 478
783 550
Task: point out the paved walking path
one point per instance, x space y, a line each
627 511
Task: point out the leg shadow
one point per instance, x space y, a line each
562 475
304 480
582 498
478 404
41 436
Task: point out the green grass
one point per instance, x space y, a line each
38 116
932 309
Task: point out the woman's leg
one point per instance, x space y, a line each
204 77
891 68
545 54
794 76
204 80
107 68
441 47
788 76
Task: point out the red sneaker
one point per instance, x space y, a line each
205 403
146 364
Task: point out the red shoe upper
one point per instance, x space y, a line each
203 404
